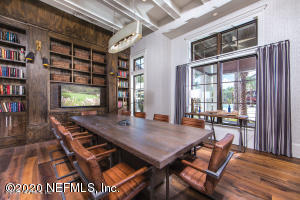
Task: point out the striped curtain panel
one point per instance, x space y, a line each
273 104
182 74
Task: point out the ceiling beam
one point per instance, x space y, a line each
124 9
81 12
168 7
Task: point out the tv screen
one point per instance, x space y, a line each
79 96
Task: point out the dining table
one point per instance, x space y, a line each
157 143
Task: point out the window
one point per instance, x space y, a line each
139 93
204 88
204 48
139 63
237 86
240 37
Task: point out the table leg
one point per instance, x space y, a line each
167 182
212 120
152 184
241 135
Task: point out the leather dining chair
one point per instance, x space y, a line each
140 114
128 182
66 138
204 176
162 118
197 123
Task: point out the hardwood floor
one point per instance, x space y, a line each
250 175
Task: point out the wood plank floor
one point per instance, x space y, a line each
249 175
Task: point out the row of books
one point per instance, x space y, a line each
122 94
122 84
12 89
11 72
8 36
9 54
12 107
122 74
122 104
122 63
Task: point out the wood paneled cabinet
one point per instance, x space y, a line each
12 129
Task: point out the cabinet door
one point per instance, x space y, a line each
12 124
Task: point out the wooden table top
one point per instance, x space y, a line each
208 114
158 143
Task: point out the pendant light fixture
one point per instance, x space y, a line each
125 37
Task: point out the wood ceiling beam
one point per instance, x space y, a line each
124 9
168 7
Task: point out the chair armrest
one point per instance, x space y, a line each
96 146
66 150
193 166
84 137
74 134
72 127
131 176
104 154
217 174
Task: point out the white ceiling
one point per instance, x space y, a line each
171 17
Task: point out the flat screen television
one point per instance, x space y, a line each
79 96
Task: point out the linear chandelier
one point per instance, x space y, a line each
125 37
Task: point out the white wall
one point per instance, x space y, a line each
278 20
157 73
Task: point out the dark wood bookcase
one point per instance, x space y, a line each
72 63
13 124
123 82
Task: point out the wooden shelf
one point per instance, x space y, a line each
123 78
61 54
76 70
13 61
124 88
98 63
53 67
82 59
123 97
123 68
12 44
13 113
13 78
7 95
99 74
52 81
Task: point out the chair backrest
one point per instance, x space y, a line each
159 117
197 123
54 124
125 112
218 157
88 164
89 112
65 136
140 114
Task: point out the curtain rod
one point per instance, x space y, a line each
232 53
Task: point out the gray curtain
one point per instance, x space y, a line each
182 74
273 104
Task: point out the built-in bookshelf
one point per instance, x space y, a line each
123 82
13 44
76 64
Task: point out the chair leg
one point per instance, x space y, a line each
64 176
